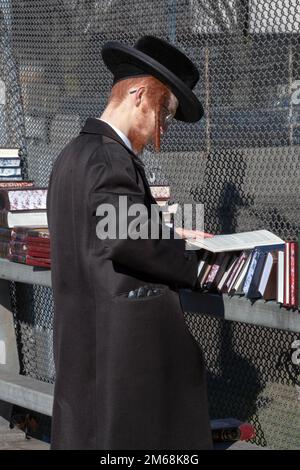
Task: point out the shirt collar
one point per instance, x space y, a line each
120 133
97 126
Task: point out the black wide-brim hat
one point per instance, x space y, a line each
156 57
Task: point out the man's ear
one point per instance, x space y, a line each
139 95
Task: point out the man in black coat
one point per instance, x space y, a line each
129 374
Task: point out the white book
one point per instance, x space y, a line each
26 218
265 274
236 276
240 280
236 241
287 273
10 172
200 266
9 153
280 273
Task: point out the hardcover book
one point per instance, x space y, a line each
161 193
9 152
9 162
236 241
11 219
8 172
23 199
16 184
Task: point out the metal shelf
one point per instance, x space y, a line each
33 394
19 272
26 392
236 308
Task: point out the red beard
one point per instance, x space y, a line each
139 139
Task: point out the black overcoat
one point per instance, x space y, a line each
129 374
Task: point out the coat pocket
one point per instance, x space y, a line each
157 290
149 334
138 333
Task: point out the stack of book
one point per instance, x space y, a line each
162 196
255 264
23 206
6 184
10 164
30 245
23 209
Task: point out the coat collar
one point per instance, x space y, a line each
96 126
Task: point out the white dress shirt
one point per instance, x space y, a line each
120 134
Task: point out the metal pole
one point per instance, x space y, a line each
172 18
13 109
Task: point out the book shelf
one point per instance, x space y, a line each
17 389
18 272
269 314
38 396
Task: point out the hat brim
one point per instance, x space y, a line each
189 107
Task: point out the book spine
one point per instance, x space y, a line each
236 272
38 254
9 162
270 291
293 275
42 262
221 271
207 270
8 172
25 199
11 178
38 241
222 286
298 271
9 152
16 184
250 272
286 296
253 288
17 258
213 272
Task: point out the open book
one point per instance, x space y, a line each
235 241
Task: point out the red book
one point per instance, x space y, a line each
38 254
229 430
42 262
36 241
16 184
293 274
25 259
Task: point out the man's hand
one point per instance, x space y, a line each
192 234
